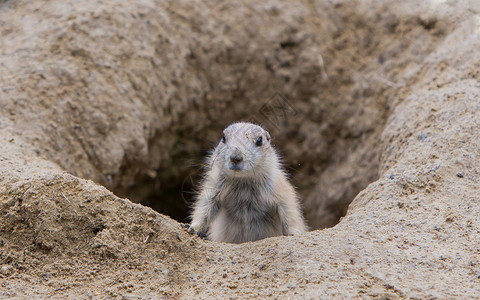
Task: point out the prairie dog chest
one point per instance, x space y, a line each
245 202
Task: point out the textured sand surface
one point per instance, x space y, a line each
105 102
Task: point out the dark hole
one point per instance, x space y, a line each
288 44
174 201
98 228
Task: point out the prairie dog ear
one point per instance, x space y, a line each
268 135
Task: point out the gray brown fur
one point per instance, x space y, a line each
245 195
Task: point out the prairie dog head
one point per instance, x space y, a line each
244 151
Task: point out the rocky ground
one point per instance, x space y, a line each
107 106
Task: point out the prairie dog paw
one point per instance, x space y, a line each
191 229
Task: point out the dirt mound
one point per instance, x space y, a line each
379 100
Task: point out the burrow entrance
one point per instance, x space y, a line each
324 90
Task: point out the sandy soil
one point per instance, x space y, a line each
106 106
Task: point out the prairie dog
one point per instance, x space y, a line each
245 195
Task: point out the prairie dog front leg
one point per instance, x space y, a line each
205 209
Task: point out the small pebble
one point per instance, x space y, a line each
5 270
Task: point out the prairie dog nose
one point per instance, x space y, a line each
236 158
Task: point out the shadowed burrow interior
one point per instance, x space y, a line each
323 90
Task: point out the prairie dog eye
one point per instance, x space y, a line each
259 141
223 138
